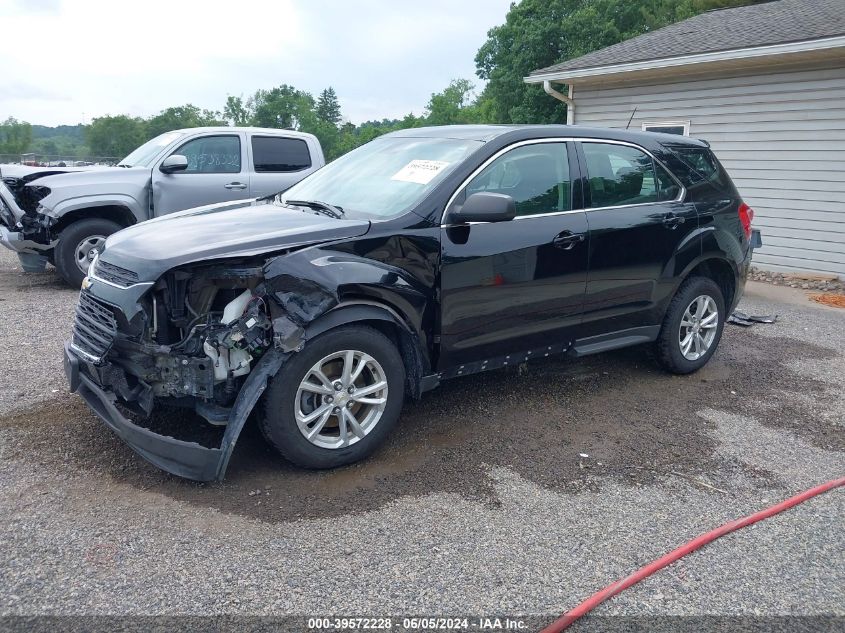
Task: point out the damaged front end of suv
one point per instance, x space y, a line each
200 328
193 339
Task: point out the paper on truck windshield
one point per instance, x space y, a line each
420 171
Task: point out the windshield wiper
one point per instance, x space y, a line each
320 207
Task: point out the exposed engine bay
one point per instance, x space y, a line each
199 334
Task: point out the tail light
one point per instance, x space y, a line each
746 215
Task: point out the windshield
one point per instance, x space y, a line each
385 177
144 155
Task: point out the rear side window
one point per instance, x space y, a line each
620 175
536 176
274 154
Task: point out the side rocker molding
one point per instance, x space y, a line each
615 340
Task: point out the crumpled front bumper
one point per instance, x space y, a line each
16 241
185 459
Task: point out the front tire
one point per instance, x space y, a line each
336 401
76 247
692 327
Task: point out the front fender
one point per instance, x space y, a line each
308 283
68 205
316 289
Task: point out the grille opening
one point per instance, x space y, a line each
115 274
94 326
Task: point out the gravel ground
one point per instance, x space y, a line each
478 505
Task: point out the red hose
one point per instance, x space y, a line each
597 598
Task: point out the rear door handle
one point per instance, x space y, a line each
235 185
567 240
672 220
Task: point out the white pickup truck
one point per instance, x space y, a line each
65 218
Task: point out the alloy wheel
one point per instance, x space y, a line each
698 327
341 399
86 249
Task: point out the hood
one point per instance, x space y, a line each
28 173
101 181
236 229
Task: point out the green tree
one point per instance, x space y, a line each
179 117
456 104
540 33
328 107
15 136
282 107
115 135
236 112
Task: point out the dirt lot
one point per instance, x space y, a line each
479 505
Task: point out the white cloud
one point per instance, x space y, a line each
67 59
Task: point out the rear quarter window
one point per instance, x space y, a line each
278 154
701 160
701 166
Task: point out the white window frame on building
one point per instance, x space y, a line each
661 126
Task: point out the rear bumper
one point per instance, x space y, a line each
755 242
756 239
185 459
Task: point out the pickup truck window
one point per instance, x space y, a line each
276 154
212 155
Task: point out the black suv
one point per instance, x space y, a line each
424 255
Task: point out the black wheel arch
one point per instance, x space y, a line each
721 270
387 321
116 213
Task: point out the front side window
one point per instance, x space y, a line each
212 155
274 154
536 176
386 177
619 175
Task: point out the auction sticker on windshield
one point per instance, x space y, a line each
420 171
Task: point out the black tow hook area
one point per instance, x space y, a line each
185 459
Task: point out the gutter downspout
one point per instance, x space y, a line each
568 100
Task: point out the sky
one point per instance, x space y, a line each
67 61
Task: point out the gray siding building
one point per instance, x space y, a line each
765 86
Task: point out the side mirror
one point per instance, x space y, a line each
173 163
485 206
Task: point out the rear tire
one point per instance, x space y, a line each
692 327
347 426
76 244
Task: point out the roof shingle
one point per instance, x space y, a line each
750 26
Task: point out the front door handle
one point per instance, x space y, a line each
235 185
567 240
672 220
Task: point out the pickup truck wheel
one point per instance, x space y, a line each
336 401
77 245
692 327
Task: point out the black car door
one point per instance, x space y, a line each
514 287
642 234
